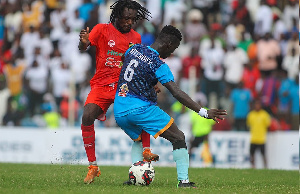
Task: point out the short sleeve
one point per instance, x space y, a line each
164 74
96 34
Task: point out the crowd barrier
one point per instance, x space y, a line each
65 146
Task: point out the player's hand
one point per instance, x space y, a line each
215 114
157 89
84 35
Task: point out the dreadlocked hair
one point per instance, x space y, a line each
118 7
170 31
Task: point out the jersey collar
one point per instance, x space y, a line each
153 50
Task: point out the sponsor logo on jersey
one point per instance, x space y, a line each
123 90
111 43
114 53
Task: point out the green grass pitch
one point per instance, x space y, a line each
34 178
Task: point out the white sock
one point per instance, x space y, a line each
93 163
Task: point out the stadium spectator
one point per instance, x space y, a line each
36 78
268 50
193 60
85 9
250 76
29 41
264 19
57 21
14 77
194 29
213 71
176 66
294 95
12 22
75 22
267 88
291 64
4 95
201 128
290 13
245 41
284 97
258 121
234 62
241 99
60 81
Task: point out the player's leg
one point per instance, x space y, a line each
252 152
134 133
180 154
195 142
90 113
263 153
147 154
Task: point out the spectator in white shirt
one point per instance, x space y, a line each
60 80
29 40
80 64
75 22
57 20
175 65
212 63
234 62
291 64
12 22
174 11
264 19
279 27
55 60
45 44
68 43
290 13
37 77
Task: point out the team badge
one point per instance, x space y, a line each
111 43
123 90
131 44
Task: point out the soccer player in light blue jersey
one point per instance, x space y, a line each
135 101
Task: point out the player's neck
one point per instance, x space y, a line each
156 47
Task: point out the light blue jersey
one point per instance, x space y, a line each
135 101
141 71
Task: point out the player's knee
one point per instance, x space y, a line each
179 141
87 118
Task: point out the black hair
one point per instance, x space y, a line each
118 7
169 33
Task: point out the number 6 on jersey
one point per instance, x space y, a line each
130 71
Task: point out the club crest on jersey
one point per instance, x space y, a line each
123 90
111 43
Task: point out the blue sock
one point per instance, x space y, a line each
136 151
181 157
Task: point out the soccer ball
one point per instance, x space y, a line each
141 173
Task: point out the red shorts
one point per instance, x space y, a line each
103 97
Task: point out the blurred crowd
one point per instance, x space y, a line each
233 52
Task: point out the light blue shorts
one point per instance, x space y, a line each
151 119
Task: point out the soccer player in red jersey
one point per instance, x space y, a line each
111 41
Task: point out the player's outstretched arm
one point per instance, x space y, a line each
84 39
184 99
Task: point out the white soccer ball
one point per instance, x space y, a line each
141 173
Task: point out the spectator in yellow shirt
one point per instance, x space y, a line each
258 120
201 127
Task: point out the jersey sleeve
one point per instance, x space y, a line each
96 34
164 74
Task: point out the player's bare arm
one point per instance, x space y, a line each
184 99
84 39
